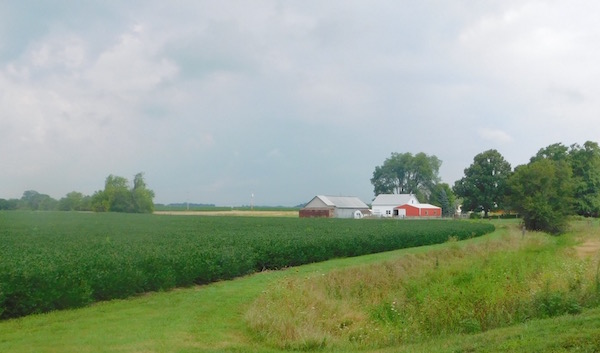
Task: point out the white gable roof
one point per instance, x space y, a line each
393 199
336 201
422 205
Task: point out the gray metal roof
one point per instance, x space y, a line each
341 201
392 199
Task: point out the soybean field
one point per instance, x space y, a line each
58 260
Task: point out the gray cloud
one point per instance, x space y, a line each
218 100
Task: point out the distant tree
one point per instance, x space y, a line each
443 196
142 196
33 200
99 202
118 197
483 187
541 192
74 201
10 204
116 188
403 173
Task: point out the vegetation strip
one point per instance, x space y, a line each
456 290
58 260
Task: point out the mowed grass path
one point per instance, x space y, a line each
210 318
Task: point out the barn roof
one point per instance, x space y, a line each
339 201
420 205
392 199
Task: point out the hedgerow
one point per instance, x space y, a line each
58 260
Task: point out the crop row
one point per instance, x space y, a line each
58 260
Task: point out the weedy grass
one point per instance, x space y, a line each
417 297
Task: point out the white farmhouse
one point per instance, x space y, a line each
384 204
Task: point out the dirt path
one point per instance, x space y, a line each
590 248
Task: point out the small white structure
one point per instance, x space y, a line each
335 206
384 204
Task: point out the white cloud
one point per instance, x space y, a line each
131 66
494 135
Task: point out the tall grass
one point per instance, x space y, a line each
456 290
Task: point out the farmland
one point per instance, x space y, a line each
216 317
59 260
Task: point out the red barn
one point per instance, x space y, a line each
418 210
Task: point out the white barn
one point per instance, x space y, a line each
384 205
335 206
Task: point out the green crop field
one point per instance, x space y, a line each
58 260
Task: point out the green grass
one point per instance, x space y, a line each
419 297
210 318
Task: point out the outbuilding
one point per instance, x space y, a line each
423 210
385 205
335 207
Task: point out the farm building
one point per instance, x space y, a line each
384 204
335 207
418 210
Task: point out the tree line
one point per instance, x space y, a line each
558 181
118 195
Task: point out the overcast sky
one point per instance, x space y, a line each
218 100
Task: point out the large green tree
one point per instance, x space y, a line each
117 196
542 192
405 173
142 196
484 185
585 164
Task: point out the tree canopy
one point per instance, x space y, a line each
584 162
484 185
585 165
74 201
404 173
542 192
117 196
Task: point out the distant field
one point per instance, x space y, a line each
58 260
196 208
246 213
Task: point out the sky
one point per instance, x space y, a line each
216 101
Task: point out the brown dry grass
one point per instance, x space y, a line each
588 249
